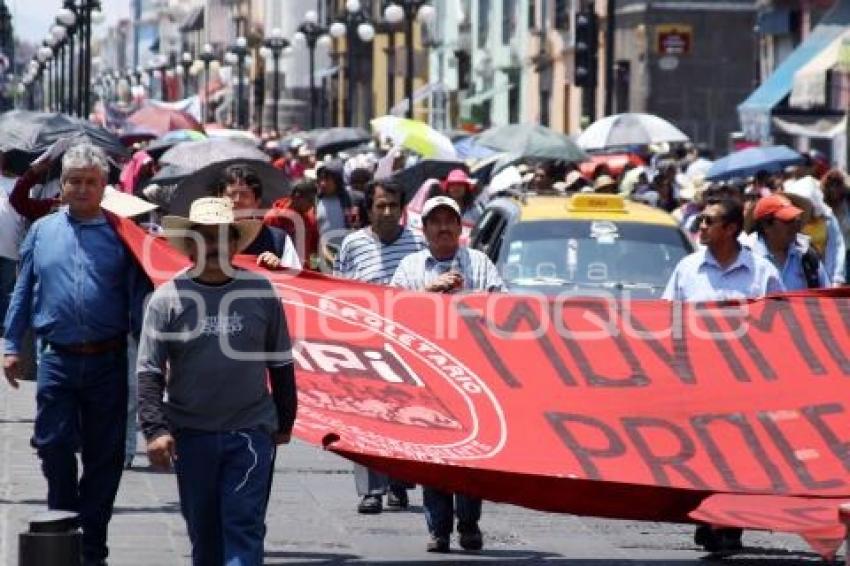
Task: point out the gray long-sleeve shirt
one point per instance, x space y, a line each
218 342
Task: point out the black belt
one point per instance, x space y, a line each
91 348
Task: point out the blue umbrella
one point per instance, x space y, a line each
749 161
467 148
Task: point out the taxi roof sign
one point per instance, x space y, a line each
594 202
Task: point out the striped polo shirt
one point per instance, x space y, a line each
364 257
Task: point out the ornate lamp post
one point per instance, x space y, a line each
207 56
184 69
68 19
354 25
86 13
408 11
312 34
237 54
274 45
45 54
60 35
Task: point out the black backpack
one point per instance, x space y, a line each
811 268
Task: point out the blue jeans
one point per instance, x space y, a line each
224 479
439 511
8 274
81 400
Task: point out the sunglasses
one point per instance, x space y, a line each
708 220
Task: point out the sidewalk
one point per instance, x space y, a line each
312 517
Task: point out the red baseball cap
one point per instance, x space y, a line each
776 206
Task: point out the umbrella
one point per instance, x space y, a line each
749 161
621 130
411 178
157 147
159 120
170 175
332 140
205 183
415 136
25 135
198 154
468 147
532 141
240 136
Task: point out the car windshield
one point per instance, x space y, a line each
592 254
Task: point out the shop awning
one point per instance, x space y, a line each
755 111
810 85
813 127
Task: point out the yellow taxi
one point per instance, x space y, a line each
586 244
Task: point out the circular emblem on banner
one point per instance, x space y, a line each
384 388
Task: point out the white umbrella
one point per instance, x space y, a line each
623 130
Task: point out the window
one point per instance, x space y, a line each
532 13
509 9
483 22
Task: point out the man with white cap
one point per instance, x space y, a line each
222 333
445 267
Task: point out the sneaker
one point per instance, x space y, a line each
472 540
438 544
397 500
370 505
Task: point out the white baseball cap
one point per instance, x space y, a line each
434 203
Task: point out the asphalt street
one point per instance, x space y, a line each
313 520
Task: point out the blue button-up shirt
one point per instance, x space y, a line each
699 277
793 276
77 283
419 269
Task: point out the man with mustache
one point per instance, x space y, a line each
446 267
372 254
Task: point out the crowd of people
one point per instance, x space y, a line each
67 279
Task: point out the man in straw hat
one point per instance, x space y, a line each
222 332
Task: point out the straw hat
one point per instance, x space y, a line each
210 211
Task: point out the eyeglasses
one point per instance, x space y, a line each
708 220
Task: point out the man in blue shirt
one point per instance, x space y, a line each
777 238
723 269
82 292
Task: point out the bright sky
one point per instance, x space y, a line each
33 18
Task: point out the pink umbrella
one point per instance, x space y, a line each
157 120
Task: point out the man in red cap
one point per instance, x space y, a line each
777 238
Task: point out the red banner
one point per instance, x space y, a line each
634 410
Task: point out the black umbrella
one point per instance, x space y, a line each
333 140
206 183
198 154
25 135
411 178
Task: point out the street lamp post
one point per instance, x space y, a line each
355 26
312 34
60 35
85 9
186 66
237 55
44 54
408 11
207 56
274 46
68 19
